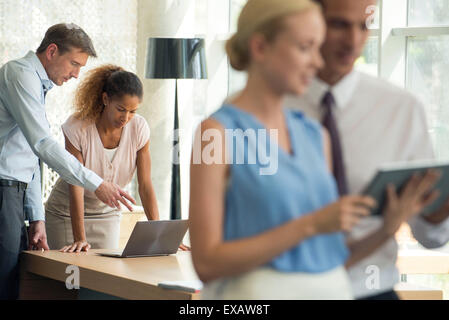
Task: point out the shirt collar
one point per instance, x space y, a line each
46 82
342 90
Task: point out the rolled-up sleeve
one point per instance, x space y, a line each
427 234
23 95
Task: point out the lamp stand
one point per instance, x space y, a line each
175 198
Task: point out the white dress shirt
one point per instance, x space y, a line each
378 123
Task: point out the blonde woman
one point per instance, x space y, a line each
107 136
278 235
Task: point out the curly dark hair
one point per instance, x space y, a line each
111 79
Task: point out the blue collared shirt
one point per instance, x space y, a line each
25 133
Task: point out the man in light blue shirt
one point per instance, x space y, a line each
25 138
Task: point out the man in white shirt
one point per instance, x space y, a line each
377 123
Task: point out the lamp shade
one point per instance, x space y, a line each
176 58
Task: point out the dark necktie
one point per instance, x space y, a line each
329 123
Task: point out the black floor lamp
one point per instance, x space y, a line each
175 58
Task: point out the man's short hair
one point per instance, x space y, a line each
67 36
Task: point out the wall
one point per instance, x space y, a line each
197 98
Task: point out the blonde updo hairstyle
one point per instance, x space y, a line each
265 17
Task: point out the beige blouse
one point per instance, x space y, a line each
84 136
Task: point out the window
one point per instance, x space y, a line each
412 42
428 65
368 62
427 75
428 13
412 46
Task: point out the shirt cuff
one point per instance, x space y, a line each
36 215
32 204
428 234
93 181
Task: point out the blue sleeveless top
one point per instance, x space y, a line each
266 189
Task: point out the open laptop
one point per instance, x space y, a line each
152 238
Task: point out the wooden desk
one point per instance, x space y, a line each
408 291
420 261
43 275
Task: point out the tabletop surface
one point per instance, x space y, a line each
99 273
422 261
137 278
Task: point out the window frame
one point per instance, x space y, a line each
393 39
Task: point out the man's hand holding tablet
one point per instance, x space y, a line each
410 200
416 192
416 189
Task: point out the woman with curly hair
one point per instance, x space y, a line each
107 136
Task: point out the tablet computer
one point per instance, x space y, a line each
399 174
